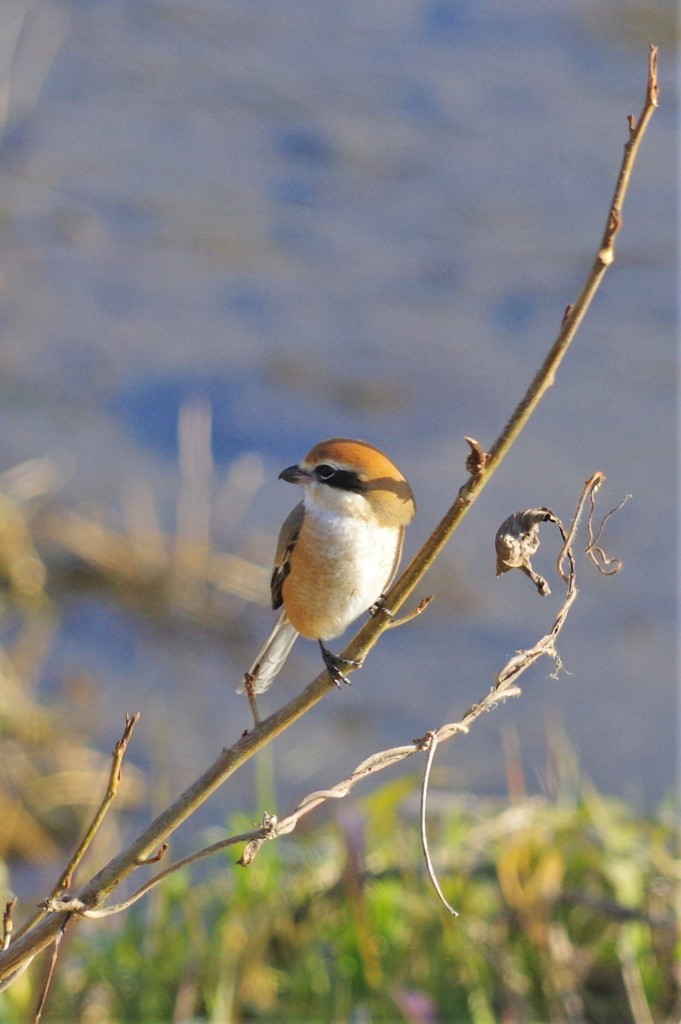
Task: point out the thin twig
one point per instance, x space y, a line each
432 747
413 614
112 788
42 999
7 929
8 922
606 565
590 488
110 795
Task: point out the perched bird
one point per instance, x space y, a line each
337 552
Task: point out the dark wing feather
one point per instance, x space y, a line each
288 535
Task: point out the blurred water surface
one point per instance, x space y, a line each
362 219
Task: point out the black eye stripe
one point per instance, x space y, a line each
344 479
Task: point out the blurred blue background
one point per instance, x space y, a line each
362 219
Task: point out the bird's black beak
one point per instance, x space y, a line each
294 475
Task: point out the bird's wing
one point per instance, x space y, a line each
396 562
288 535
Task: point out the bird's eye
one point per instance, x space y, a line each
343 479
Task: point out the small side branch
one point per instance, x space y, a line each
113 783
637 129
606 565
110 795
8 922
413 614
42 999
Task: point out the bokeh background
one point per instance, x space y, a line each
359 219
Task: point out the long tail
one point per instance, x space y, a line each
274 653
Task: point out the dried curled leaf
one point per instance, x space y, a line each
517 540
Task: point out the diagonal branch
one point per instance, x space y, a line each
489 462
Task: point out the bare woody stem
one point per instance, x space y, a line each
142 850
111 790
543 380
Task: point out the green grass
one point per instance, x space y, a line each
565 914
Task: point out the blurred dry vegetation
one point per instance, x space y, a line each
51 777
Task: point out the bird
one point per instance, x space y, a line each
337 552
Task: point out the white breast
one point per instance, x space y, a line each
351 561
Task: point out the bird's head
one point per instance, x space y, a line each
348 477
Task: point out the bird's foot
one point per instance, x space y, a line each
379 607
333 663
250 693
